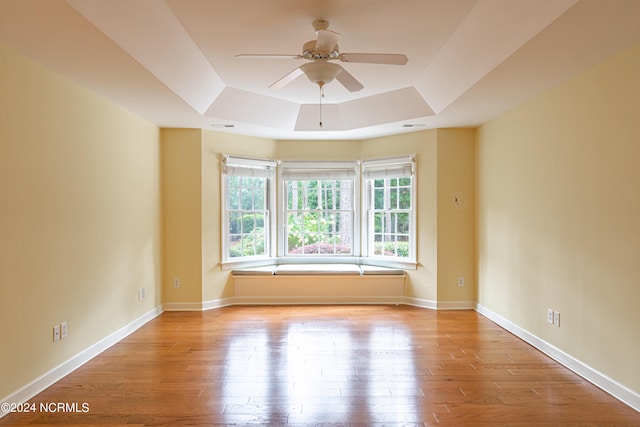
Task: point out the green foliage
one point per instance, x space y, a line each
309 228
390 248
251 222
251 245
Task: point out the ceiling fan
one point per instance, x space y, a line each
322 50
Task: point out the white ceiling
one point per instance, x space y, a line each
174 62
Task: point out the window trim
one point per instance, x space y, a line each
389 168
317 170
276 186
252 167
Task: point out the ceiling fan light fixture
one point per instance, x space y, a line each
321 72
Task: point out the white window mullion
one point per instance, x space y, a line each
387 182
253 179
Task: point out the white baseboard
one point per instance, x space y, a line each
198 306
422 303
316 300
617 390
217 303
62 370
456 305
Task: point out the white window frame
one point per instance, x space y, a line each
249 167
322 170
387 168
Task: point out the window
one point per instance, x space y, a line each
390 208
247 195
318 216
319 209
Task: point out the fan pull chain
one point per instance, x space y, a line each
321 96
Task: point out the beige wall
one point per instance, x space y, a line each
217 283
192 217
558 209
79 219
181 214
422 283
318 150
456 214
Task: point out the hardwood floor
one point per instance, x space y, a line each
324 365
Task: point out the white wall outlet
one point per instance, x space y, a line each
176 282
141 294
56 333
550 316
64 330
460 281
556 318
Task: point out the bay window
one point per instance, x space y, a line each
326 212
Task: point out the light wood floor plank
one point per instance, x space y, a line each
326 366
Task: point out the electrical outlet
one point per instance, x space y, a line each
460 281
56 333
176 282
64 330
556 318
550 316
141 294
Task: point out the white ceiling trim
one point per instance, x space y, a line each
475 49
150 32
235 106
173 61
374 110
311 115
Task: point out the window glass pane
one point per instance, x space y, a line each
377 222
234 198
320 217
403 222
235 237
378 198
378 247
293 196
311 196
404 201
246 198
390 224
259 201
246 212
294 231
344 199
393 198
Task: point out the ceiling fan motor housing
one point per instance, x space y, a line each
309 51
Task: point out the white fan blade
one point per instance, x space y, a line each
327 40
287 79
348 81
268 56
375 58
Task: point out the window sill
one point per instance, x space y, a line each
317 262
319 270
